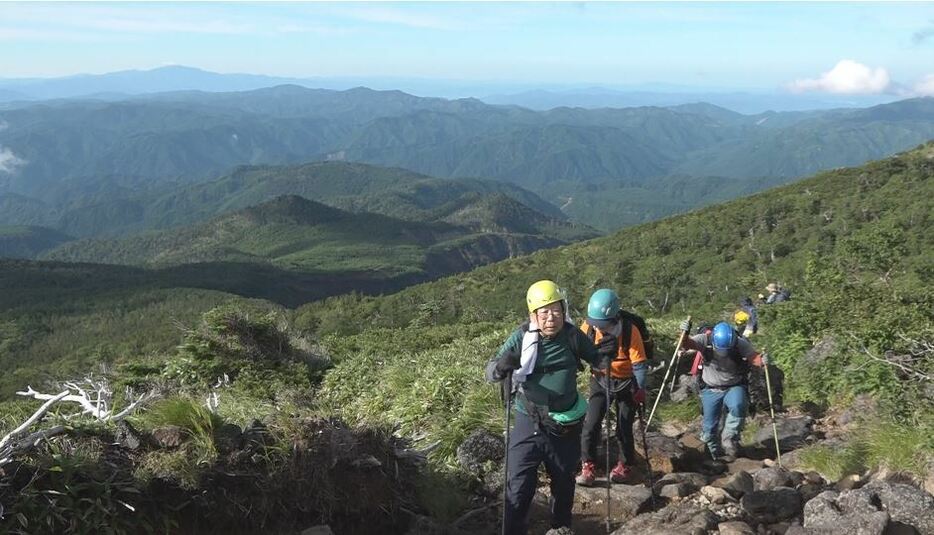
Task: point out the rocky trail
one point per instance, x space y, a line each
695 495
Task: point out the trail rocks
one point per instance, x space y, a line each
905 504
665 453
770 506
735 528
774 477
680 518
737 485
828 514
792 432
691 482
626 501
716 495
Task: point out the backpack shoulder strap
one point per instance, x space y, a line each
626 332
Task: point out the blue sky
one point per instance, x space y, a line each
857 48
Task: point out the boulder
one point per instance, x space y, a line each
792 432
127 436
676 490
826 513
692 481
737 485
716 495
905 504
682 518
478 449
770 506
626 501
735 527
169 436
758 389
773 477
665 453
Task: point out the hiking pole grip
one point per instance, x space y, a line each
665 379
768 388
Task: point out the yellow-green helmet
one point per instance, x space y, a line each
544 292
740 317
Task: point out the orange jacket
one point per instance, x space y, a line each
621 367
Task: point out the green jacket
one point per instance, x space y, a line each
558 387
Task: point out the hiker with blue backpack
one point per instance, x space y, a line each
726 356
538 364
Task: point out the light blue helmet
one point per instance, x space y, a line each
724 338
603 305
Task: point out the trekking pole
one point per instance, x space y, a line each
609 482
507 388
768 388
661 390
674 380
645 448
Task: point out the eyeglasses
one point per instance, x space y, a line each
547 312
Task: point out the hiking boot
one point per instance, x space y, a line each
620 473
587 478
730 450
715 452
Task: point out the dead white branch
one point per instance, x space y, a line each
898 361
94 397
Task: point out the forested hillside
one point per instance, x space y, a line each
190 137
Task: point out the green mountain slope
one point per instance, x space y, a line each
705 259
28 242
293 233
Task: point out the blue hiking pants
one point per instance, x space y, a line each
736 399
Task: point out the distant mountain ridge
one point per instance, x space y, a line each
191 137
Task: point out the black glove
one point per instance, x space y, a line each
509 361
686 326
608 347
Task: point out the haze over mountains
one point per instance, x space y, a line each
116 85
607 168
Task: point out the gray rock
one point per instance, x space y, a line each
665 453
740 484
170 436
758 389
479 448
626 501
560 531
831 512
905 504
691 480
770 506
809 491
676 490
716 495
792 432
127 436
736 527
682 518
772 477
322 529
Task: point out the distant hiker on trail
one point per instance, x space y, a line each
726 357
777 294
620 340
543 357
750 325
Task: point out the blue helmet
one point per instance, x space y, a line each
724 338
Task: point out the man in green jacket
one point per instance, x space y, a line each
543 358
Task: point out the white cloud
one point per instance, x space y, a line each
405 18
9 161
925 87
847 77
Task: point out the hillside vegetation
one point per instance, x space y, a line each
190 137
854 245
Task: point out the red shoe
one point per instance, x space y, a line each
587 477
620 473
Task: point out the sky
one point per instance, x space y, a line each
835 47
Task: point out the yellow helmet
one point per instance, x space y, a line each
740 317
542 293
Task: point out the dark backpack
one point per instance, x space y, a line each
629 319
